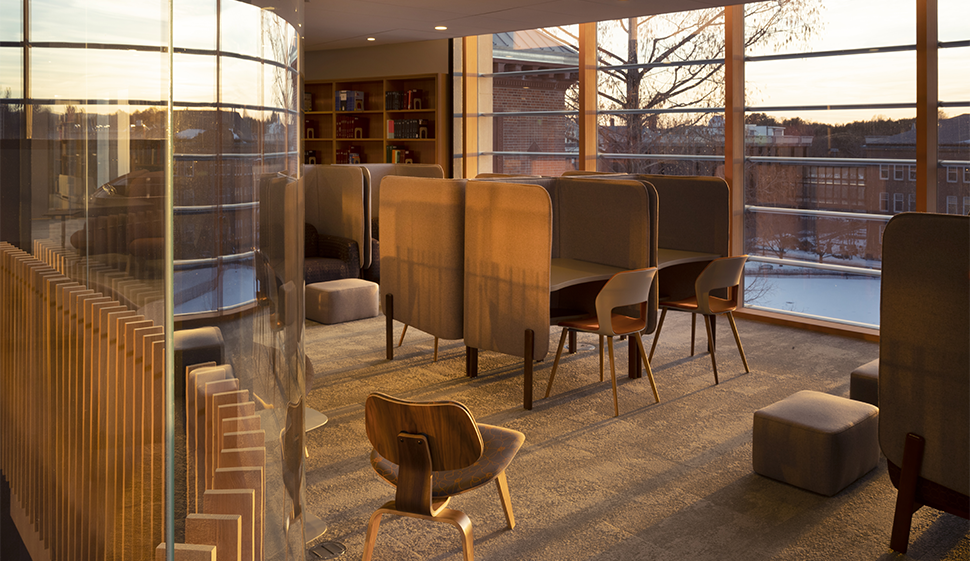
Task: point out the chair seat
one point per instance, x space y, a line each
501 445
718 306
621 324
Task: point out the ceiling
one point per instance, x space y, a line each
340 24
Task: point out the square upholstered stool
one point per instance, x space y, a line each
816 441
342 300
864 383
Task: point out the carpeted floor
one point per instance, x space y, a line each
663 481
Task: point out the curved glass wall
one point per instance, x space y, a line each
149 175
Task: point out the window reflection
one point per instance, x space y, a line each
83 74
99 21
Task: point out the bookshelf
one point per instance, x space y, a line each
349 120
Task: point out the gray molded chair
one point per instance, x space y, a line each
431 451
722 273
623 289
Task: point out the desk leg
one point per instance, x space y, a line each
529 350
389 326
572 341
635 367
471 362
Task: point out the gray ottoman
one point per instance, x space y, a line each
864 383
816 441
342 300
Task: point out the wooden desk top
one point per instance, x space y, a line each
671 257
569 272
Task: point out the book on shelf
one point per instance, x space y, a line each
307 101
352 127
350 155
408 128
349 100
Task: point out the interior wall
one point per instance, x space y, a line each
403 59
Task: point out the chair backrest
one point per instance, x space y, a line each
627 288
724 272
454 440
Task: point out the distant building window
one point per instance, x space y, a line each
899 172
884 202
966 174
912 202
898 202
966 205
951 174
912 173
884 171
951 205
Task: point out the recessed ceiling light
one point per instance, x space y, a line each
440 27
371 39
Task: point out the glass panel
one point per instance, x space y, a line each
954 79
240 82
885 77
661 166
196 27
99 21
11 72
12 23
241 29
194 78
91 74
813 293
954 15
804 26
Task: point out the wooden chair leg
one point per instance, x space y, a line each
435 350
693 331
555 363
503 491
601 358
529 338
403 331
656 336
737 339
906 503
616 404
646 365
371 537
707 324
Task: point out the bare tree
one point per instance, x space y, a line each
662 76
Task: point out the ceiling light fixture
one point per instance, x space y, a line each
371 39
440 28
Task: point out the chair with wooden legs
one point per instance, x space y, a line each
431 451
627 288
722 273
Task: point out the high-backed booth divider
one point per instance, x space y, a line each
508 247
423 247
338 204
479 255
924 365
374 174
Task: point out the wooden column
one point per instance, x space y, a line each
927 106
734 121
587 100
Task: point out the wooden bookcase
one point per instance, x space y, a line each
330 131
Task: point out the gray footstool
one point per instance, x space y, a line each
864 383
816 441
342 300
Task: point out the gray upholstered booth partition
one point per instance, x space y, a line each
422 262
508 246
924 364
375 173
338 204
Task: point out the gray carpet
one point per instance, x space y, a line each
667 481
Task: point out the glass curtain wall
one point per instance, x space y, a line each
830 139
826 166
535 98
152 381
